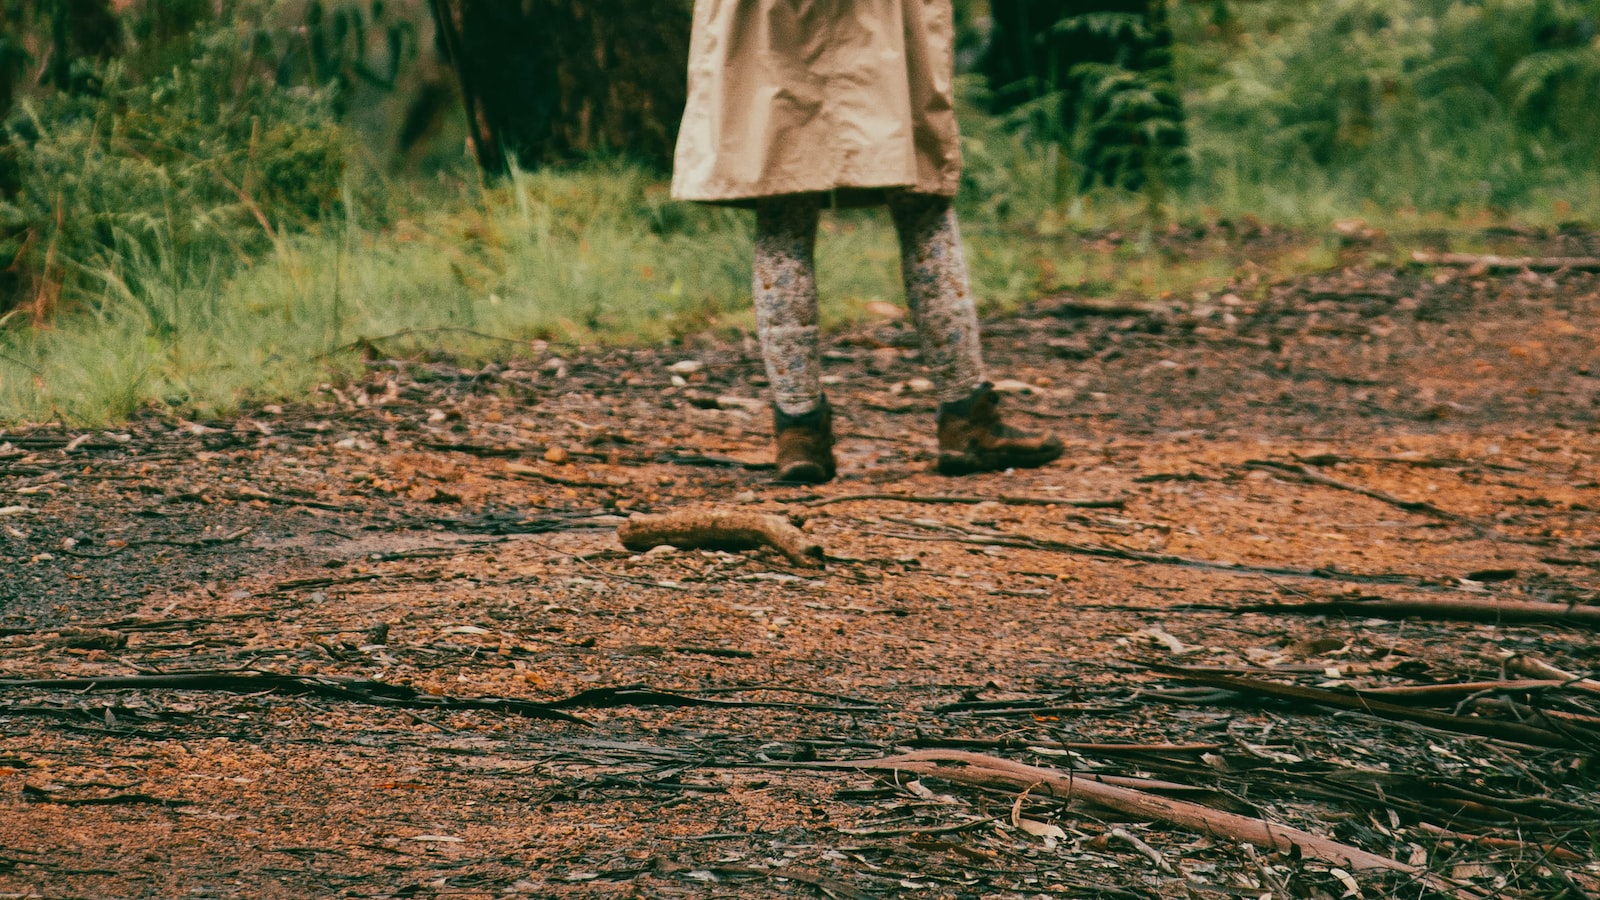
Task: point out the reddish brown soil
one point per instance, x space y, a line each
453 532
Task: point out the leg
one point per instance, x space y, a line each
785 290
971 436
938 291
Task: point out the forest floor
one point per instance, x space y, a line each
1313 556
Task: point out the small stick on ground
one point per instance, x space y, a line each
1007 500
1499 843
1155 855
1534 667
933 743
1435 692
1491 263
715 529
1107 551
1451 610
552 478
1493 728
1308 474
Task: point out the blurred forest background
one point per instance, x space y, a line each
206 204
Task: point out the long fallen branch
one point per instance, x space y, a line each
1420 462
34 794
712 461
198 544
1492 263
942 743
1455 609
979 770
953 499
717 529
378 693
1438 692
552 478
1493 728
600 698
1312 476
1553 851
373 693
1105 551
145 625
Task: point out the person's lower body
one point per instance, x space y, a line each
938 293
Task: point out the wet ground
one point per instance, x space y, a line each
1321 552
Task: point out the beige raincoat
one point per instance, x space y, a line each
795 96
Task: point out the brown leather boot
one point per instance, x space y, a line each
805 444
973 439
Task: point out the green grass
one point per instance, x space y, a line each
584 257
1310 112
590 256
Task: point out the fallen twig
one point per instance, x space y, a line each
716 529
1152 853
475 449
600 698
1105 551
928 743
1454 609
196 544
374 693
976 769
1421 462
725 652
939 829
1492 263
785 689
1007 500
1493 728
379 693
39 795
713 461
299 584
552 478
1308 474
246 494
1067 306
1458 689
1534 667
1498 843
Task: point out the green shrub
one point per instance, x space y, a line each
205 165
1435 104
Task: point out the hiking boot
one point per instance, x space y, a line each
973 439
805 444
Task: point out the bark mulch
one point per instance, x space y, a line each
1308 609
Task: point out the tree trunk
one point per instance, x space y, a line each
1098 74
546 80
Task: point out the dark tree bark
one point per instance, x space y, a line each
80 28
545 80
1110 64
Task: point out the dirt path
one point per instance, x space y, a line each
426 565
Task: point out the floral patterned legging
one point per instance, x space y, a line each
938 294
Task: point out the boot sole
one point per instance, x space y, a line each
804 473
972 463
